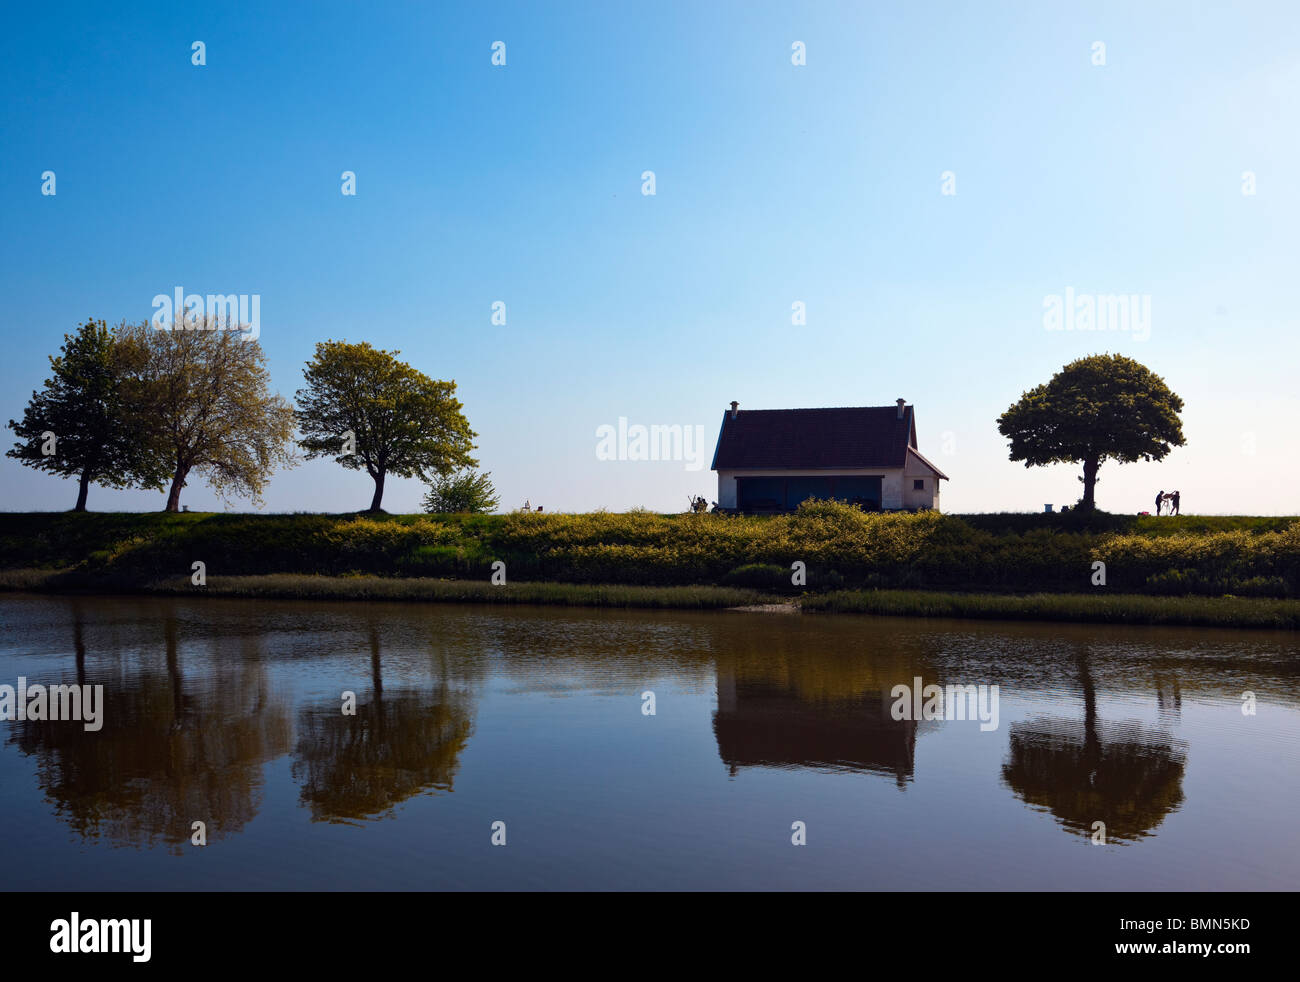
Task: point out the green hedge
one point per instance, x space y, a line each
840 546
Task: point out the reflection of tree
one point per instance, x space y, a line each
818 710
1128 776
398 744
170 752
79 640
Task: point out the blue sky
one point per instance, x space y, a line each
775 183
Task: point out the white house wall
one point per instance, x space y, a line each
916 470
927 498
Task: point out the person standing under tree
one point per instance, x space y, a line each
1160 500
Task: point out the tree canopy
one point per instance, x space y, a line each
84 422
205 390
368 410
1102 407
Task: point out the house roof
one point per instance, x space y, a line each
854 436
926 461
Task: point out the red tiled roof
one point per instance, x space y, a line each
863 436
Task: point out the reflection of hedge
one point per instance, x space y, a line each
926 550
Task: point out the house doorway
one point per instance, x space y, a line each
778 494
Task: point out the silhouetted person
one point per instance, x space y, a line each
1160 500
1173 500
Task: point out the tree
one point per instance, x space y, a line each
83 422
368 410
463 492
1095 408
206 393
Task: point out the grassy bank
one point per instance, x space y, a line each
1237 612
1233 612
291 586
842 548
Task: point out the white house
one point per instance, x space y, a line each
769 460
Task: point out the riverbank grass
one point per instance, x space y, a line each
293 586
1118 608
1227 612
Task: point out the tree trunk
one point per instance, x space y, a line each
81 493
1090 467
178 482
379 491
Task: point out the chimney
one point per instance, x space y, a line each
735 408
901 403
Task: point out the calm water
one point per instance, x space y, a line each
229 712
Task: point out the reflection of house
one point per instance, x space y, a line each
772 459
761 724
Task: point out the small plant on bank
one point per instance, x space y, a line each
464 492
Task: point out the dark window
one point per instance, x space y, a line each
918 484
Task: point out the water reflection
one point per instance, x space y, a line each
398 744
229 711
781 707
1125 775
171 751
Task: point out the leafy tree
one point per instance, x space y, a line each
1096 408
368 410
463 492
206 393
83 423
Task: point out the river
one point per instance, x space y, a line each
488 747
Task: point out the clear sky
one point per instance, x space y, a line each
775 183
